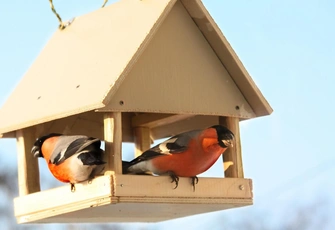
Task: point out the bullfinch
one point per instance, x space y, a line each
184 155
71 159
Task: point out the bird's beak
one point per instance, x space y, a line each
228 143
35 150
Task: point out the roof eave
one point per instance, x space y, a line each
9 131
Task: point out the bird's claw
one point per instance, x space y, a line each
73 188
174 178
194 181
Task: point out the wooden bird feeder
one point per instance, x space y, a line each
134 71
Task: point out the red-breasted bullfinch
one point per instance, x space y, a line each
185 155
71 159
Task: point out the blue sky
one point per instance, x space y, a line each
287 47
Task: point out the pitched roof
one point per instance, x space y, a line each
82 67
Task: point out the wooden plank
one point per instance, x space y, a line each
142 140
28 172
163 89
89 123
141 210
189 201
227 56
152 120
154 8
161 186
113 141
191 123
122 198
233 156
8 135
49 203
127 128
117 33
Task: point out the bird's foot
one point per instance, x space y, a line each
174 178
194 181
73 188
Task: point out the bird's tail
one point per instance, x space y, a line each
125 166
91 158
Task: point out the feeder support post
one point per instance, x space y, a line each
232 157
28 171
113 141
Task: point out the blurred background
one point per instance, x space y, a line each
288 48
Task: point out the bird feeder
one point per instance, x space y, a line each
134 71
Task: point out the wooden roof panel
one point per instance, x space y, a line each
228 57
81 67
178 72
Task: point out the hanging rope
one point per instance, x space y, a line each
62 26
103 5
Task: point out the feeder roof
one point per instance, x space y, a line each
83 67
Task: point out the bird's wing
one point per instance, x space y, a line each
174 145
70 145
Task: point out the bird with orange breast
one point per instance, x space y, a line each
71 159
184 155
